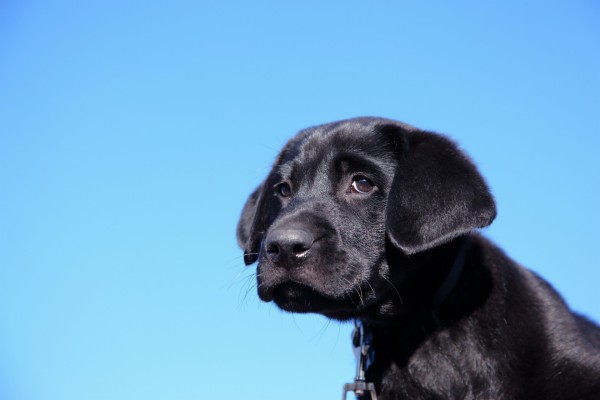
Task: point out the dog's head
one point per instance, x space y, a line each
343 197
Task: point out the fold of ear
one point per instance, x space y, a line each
251 225
244 225
437 194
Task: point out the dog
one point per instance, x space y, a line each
373 220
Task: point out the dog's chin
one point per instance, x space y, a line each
298 298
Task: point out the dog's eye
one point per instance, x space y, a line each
360 184
284 189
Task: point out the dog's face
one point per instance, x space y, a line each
345 207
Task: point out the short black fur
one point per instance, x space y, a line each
381 251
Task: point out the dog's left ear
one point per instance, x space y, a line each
251 225
254 220
437 194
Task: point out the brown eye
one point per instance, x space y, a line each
284 190
360 184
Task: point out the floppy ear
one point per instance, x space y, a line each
252 225
254 220
437 194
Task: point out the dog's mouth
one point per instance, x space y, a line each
300 298
296 297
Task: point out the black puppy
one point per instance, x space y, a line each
372 220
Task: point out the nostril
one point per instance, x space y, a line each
273 249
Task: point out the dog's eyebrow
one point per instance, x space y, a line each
285 169
351 161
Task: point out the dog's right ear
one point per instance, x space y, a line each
437 194
252 225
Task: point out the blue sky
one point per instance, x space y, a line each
132 132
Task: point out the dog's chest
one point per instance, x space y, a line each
439 370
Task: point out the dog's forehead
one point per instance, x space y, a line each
314 148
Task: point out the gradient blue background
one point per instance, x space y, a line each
131 133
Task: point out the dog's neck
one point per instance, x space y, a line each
428 285
453 275
400 336
365 346
461 288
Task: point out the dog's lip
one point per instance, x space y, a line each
300 298
297 297
268 293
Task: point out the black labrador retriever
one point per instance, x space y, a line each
373 220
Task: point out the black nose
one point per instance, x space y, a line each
287 245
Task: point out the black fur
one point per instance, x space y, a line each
381 256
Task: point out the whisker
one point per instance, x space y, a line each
249 289
372 290
355 289
296 322
319 335
233 262
394 287
356 269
